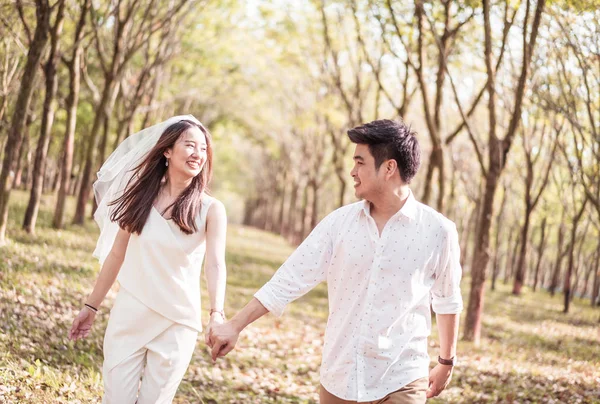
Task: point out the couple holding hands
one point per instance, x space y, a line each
387 260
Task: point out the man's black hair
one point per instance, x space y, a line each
389 140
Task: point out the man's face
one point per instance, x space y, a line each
368 181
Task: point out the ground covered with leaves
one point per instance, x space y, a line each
530 351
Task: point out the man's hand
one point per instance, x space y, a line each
222 339
439 378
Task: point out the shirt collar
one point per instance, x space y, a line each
409 209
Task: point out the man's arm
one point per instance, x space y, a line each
447 303
448 330
440 375
302 271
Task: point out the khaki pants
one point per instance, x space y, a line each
412 393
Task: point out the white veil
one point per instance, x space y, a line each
115 174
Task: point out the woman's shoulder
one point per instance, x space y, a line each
209 200
212 205
214 212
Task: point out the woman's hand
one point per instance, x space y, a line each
215 318
82 325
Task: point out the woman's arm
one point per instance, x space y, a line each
110 269
214 266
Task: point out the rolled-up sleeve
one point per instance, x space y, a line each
302 271
445 294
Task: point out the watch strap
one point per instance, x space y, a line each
448 362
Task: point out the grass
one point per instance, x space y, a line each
530 351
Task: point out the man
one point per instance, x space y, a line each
385 260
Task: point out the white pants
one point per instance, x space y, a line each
166 359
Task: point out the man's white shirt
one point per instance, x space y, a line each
380 289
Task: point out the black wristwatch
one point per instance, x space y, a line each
448 362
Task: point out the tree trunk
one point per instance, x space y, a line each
303 215
104 141
102 155
3 108
471 228
69 138
49 108
57 172
481 255
263 204
48 177
90 156
337 159
23 149
281 219
342 194
441 181
558 259
596 283
586 281
291 215
497 154
2 144
522 262
22 166
271 200
80 147
543 276
250 208
451 207
541 247
463 230
508 275
18 121
426 197
498 240
314 217
153 93
25 172
504 262
567 284
580 263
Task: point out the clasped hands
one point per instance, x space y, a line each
220 336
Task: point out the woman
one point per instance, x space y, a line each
156 224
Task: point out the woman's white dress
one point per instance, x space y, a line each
159 288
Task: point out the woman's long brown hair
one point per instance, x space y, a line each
134 206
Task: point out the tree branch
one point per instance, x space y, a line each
527 55
24 21
508 22
444 66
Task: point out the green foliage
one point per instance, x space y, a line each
580 6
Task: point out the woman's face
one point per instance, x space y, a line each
188 154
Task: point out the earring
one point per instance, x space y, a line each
167 163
